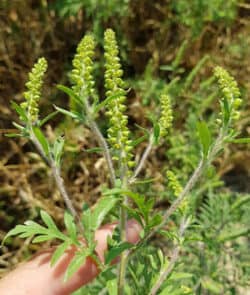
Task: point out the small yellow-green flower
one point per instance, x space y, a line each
118 132
33 93
230 91
177 189
166 118
173 183
82 73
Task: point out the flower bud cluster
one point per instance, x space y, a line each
230 91
82 73
33 93
174 183
166 118
118 132
176 187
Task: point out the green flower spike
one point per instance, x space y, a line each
34 85
176 187
231 94
82 73
118 132
174 183
166 118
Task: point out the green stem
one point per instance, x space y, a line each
58 179
101 141
124 255
195 177
142 160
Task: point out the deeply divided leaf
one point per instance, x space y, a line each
70 226
59 252
101 209
116 250
77 261
48 220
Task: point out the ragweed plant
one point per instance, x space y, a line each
81 75
123 193
166 115
118 132
33 93
174 183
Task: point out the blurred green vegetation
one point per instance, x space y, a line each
196 14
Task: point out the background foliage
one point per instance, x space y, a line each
164 45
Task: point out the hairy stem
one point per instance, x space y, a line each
101 141
60 184
58 179
188 187
142 160
124 255
190 184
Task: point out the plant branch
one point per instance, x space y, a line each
58 179
101 141
124 255
142 160
190 184
123 214
188 187
167 270
60 184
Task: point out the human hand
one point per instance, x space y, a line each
37 277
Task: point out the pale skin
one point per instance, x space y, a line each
38 277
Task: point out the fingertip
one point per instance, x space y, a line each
133 230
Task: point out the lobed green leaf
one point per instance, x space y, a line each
116 250
59 252
101 209
77 261
42 238
70 226
46 218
